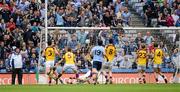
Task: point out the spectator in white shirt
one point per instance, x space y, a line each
175 17
148 38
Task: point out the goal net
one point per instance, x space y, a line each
126 40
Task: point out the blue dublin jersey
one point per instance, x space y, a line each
98 53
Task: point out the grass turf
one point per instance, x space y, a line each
93 88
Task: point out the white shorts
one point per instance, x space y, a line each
107 66
157 65
69 66
49 64
141 67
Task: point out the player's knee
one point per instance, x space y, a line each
77 75
110 77
94 73
59 75
163 76
143 71
106 76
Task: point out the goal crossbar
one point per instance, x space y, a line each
111 28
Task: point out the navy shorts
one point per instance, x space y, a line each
97 65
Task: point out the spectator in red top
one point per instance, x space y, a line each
11 25
170 20
151 47
162 20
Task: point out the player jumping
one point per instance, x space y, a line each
158 55
69 59
49 54
98 53
110 50
141 61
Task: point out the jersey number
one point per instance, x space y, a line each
143 55
159 54
50 53
97 52
110 51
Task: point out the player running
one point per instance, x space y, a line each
98 53
141 62
110 51
158 55
70 60
49 54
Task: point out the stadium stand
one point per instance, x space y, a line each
21 22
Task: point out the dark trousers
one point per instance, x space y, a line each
19 72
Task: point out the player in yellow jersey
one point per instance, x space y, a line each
49 53
70 63
158 56
110 51
141 62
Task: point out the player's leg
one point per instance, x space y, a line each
50 75
143 74
105 72
53 72
94 75
162 75
95 71
61 73
175 75
156 72
48 70
75 70
110 73
110 77
140 74
55 75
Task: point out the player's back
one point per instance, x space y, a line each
142 57
69 58
110 52
98 53
158 56
50 54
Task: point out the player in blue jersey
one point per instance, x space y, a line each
98 54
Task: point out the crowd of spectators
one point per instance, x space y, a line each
164 12
21 22
89 13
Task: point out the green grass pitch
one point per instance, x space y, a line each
93 88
